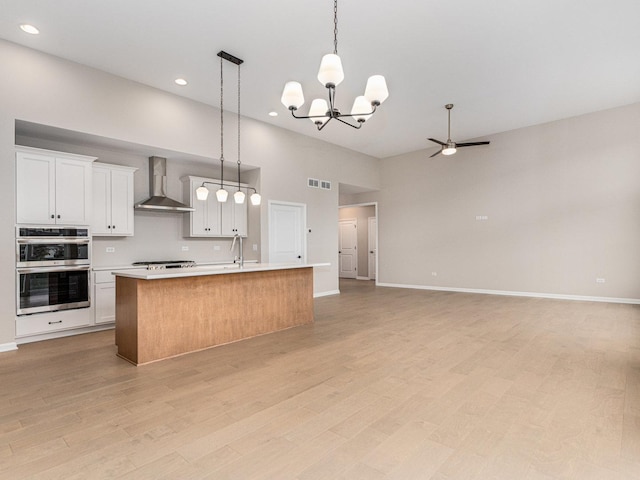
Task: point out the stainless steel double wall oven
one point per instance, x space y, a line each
52 268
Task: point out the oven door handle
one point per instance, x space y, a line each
53 269
49 241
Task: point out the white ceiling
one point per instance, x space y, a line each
504 64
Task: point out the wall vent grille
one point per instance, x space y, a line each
313 182
325 184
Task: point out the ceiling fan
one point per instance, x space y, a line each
449 147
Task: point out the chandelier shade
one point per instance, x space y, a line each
292 95
318 111
376 91
331 72
361 108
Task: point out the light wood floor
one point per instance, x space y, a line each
387 384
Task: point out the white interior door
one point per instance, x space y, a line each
347 248
286 232
373 247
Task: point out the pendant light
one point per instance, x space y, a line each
330 76
202 192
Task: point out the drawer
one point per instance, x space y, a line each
103 277
52 322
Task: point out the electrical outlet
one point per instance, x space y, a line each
185 248
255 247
599 280
216 248
435 274
482 217
110 249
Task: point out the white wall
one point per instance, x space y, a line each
562 201
46 90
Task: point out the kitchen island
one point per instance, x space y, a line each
165 313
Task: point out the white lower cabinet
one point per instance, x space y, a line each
52 322
104 297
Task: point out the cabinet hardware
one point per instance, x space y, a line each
57 321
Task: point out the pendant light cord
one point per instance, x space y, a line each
221 126
238 127
335 27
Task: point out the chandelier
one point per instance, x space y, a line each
202 192
330 75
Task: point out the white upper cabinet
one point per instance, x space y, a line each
234 216
211 218
112 200
53 187
205 220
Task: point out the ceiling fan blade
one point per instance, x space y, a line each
438 142
471 144
437 153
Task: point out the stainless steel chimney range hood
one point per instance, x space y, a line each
158 190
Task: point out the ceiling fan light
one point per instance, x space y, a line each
330 72
238 197
361 106
292 95
449 150
319 107
202 192
222 195
376 91
255 198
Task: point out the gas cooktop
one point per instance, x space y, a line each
162 264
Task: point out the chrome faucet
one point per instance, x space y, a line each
240 257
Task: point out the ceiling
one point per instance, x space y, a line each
504 65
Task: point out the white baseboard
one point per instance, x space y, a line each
583 298
363 278
8 347
326 294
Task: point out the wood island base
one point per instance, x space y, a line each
163 318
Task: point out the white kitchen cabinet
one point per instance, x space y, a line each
104 297
204 221
52 322
112 200
211 218
234 215
53 187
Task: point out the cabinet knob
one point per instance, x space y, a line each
113 226
58 216
53 216
108 226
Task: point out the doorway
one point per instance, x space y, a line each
287 239
366 257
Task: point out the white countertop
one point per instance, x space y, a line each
210 270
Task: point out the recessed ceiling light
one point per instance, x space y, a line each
273 114
29 29
181 81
